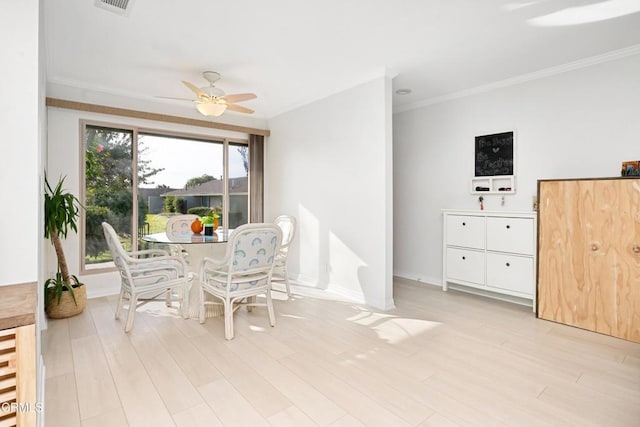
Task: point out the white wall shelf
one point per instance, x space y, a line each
501 184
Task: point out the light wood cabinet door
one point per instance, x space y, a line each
18 376
589 255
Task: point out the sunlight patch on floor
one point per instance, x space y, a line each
293 316
399 329
391 328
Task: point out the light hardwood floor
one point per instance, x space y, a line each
438 359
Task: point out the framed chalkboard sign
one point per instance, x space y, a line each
494 154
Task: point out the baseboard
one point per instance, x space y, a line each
341 292
306 281
349 294
103 292
502 297
419 278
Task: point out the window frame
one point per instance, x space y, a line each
136 132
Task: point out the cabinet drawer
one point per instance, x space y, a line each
465 265
510 272
466 231
510 235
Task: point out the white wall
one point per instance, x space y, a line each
64 149
20 102
329 164
581 123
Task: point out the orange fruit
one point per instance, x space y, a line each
196 226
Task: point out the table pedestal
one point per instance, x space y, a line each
196 253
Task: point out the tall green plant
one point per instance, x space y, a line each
61 213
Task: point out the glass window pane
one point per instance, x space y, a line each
108 189
176 175
238 184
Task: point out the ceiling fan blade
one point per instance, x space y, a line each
239 108
196 90
239 97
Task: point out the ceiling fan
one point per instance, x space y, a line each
212 101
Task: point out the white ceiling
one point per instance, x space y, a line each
291 52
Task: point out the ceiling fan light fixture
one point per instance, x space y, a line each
211 109
212 101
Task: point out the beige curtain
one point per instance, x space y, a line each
256 178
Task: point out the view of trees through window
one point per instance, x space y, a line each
171 176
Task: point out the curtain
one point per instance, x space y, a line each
256 178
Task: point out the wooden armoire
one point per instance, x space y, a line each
589 254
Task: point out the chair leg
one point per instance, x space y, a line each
228 319
133 302
272 317
168 297
119 305
201 308
184 302
286 280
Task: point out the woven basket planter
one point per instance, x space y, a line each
67 307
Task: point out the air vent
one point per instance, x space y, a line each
121 7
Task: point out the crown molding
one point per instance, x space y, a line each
536 75
368 77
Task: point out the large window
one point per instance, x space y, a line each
137 186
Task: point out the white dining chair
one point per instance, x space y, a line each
179 226
243 273
287 225
151 271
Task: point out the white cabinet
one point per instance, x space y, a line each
491 251
509 234
465 265
511 273
466 231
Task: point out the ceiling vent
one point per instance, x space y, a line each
121 7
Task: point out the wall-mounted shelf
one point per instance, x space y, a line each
500 184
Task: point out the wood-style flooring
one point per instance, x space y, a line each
438 359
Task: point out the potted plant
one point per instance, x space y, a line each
65 296
210 223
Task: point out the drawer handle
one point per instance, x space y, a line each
464 223
508 264
594 247
636 249
508 226
464 257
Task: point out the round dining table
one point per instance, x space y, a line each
197 246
